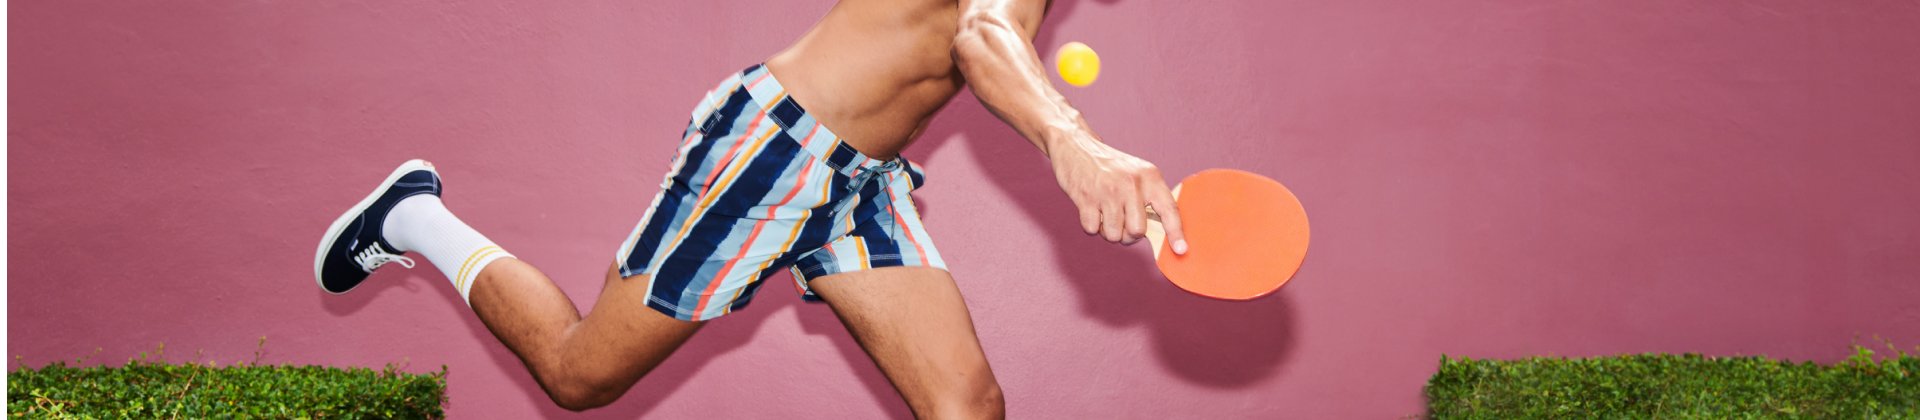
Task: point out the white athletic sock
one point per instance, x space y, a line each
422 224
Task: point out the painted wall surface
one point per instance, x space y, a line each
1485 178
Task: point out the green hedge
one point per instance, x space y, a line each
149 389
1683 386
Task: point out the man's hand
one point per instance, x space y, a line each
1113 191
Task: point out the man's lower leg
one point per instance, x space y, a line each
580 362
519 304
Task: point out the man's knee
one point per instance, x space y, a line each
991 403
977 400
580 393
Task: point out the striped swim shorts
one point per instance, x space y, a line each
758 186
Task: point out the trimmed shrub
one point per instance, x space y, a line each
1677 386
149 389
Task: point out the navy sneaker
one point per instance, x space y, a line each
355 245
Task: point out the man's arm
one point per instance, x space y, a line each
994 49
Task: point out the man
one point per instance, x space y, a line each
762 184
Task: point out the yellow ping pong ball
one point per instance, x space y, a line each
1078 64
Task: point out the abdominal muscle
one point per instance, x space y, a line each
874 71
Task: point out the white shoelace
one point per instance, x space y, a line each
373 257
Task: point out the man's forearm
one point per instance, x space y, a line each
1112 189
1000 64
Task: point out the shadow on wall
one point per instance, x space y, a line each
1207 342
714 340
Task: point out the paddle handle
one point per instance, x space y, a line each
1155 216
1156 232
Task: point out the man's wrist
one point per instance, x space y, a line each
1059 137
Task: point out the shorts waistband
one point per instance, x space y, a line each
813 136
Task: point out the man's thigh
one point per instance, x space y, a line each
913 323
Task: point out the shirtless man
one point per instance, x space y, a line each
760 185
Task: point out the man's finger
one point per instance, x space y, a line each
1163 205
1136 218
1090 219
1111 227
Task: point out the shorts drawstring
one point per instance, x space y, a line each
865 175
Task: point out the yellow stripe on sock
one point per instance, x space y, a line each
474 273
460 282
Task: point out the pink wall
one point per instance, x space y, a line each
1486 178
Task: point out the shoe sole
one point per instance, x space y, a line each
340 225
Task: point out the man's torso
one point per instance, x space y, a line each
874 71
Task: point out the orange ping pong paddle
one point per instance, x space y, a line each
1246 235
